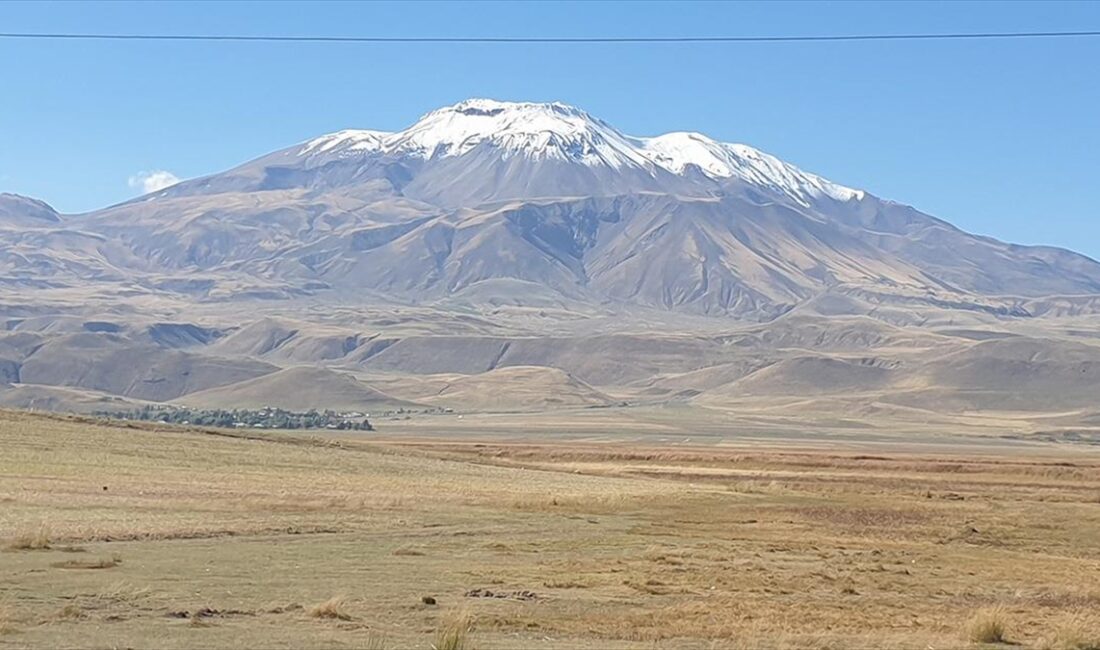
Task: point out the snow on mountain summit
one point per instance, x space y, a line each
542 131
552 130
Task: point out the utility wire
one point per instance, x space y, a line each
544 39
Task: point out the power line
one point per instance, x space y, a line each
545 39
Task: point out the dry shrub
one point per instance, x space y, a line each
408 551
454 632
36 540
987 626
333 608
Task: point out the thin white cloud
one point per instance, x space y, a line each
152 181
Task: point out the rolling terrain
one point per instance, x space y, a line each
517 257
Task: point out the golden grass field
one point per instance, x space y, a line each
130 536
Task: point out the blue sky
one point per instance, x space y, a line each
999 137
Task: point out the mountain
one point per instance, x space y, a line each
483 193
23 212
490 236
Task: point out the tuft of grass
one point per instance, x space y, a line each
408 551
454 632
375 642
35 540
333 608
987 626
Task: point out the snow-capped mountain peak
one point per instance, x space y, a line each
556 131
537 130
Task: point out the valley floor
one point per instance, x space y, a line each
138 536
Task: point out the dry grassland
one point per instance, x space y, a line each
138 537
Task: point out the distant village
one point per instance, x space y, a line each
263 418
268 417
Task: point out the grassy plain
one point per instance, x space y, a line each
134 536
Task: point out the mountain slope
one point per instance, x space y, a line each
297 389
24 212
120 366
